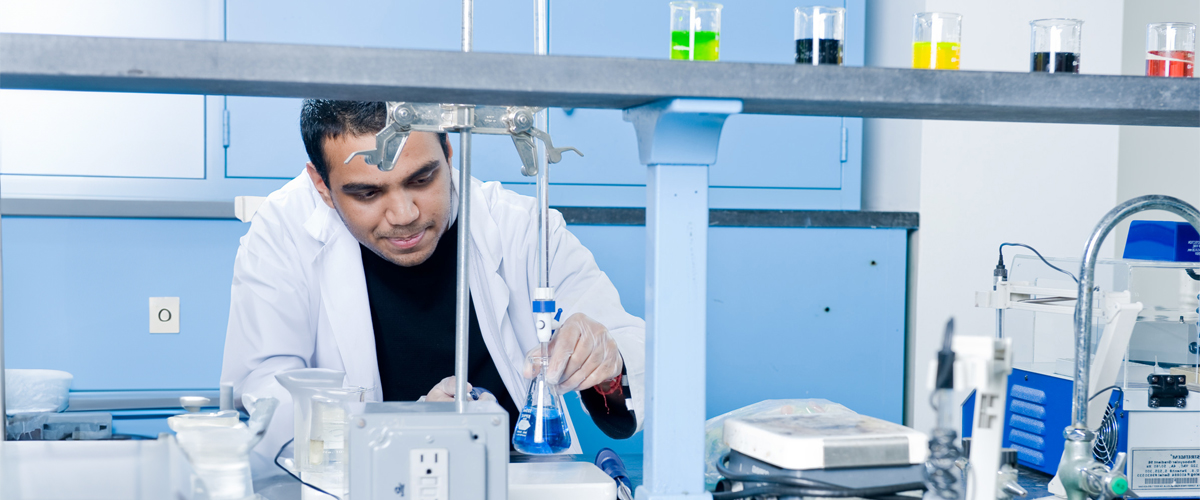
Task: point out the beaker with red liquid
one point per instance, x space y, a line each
1171 50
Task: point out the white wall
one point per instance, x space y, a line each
979 184
1155 160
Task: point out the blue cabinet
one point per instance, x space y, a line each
769 162
792 313
264 133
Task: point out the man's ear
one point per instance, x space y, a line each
319 183
449 153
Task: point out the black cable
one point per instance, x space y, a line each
281 467
1039 255
780 491
1102 391
797 486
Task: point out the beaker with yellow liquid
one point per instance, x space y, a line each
937 38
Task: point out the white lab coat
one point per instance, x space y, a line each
299 297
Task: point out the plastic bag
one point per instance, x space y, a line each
27 391
715 447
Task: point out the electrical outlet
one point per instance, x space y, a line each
429 473
164 314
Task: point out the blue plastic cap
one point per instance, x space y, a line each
543 306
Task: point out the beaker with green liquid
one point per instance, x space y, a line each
695 31
937 38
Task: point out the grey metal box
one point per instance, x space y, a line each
383 437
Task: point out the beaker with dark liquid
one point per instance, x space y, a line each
1054 45
820 33
1171 50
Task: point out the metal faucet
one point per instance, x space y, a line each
1082 476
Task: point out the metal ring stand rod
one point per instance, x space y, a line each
462 306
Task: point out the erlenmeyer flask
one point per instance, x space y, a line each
542 427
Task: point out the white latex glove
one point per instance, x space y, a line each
444 391
582 355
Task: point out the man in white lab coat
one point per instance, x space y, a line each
351 268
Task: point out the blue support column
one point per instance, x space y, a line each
677 140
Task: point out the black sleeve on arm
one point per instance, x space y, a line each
608 406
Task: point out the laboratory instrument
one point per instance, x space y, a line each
542 427
1054 45
943 470
67 426
714 428
405 449
820 33
1148 313
821 454
695 31
557 479
321 406
937 39
1171 50
1147 310
982 365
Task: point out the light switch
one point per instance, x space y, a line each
164 314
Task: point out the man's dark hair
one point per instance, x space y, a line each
323 119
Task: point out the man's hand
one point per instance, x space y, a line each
582 355
444 391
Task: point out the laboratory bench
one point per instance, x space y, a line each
283 487
1033 481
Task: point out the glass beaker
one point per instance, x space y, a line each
695 31
820 32
542 427
1171 50
328 459
937 38
1054 45
320 404
220 459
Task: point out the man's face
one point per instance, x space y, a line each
400 214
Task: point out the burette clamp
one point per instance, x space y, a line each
516 122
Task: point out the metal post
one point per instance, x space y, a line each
541 42
462 305
677 141
3 409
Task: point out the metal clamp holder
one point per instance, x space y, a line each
515 121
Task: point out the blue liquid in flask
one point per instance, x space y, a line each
541 432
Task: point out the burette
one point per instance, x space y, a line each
544 308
